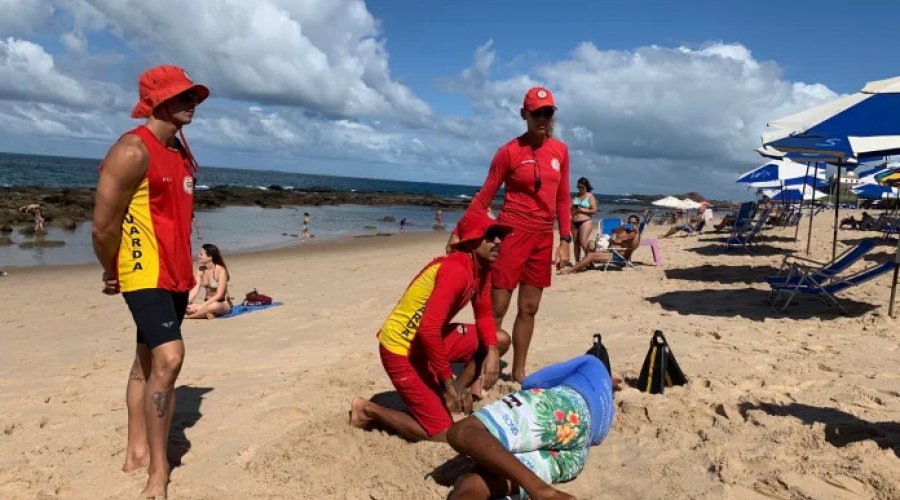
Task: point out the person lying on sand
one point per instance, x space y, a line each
418 342
538 436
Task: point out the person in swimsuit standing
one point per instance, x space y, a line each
584 206
212 276
142 238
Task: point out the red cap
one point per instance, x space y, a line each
537 98
161 83
473 228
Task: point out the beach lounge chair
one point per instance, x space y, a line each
827 291
608 224
745 238
803 271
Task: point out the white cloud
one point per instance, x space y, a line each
325 56
655 113
27 72
22 17
311 79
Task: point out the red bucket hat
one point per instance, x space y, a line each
473 228
537 98
161 83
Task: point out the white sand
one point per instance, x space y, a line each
798 405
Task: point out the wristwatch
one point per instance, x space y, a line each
567 239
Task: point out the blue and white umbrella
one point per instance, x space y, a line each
854 127
794 195
876 192
860 125
774 172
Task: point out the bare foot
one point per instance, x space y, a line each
566 270
135 461
358 417
157 490
210 316
519 376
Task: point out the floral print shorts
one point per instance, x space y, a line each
548 430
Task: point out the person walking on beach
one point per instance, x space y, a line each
418 342
534 167
402 223
439 218
305 233
538 436
35 210
142 238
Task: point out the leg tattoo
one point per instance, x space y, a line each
161 400
136 375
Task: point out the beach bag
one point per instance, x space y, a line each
660 370
255 298
598 350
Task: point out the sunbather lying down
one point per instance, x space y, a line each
625 239
593 256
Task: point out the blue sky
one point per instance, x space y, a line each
654 96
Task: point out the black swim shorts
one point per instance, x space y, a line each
157 314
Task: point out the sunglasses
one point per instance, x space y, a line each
546 112
493 234
188 97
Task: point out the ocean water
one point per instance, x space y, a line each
237 229
57 171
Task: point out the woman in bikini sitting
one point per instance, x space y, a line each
584 206
213 277
625 239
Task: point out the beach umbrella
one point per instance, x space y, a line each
890 177
875 192
773 173
689 204
868 175
862 125
818 182
668 202
794 195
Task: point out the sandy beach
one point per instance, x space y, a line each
803 404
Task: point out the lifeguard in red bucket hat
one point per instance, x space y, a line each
142 239
534 168
418 342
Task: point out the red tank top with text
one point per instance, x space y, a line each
155 251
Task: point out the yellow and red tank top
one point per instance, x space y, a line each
155 251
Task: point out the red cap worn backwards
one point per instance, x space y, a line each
537 98
473 228
162 83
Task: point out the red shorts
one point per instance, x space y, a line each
525 257
418 387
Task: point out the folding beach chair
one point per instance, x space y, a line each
803 271
745 238
608 224
743 218
827 291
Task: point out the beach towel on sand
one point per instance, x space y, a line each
240 309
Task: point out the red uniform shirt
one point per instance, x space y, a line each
430 302
525 205
155 251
